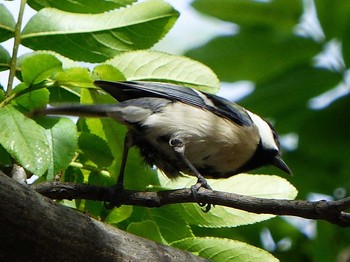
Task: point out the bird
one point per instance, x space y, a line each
181 130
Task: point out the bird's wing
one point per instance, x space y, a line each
126 90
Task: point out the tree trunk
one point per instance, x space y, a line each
34 228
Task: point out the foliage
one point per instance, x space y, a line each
282 51
266 50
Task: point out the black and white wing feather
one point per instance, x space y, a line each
123 91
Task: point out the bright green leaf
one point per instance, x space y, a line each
4 59
25 140
80 6
7 23
61 134
147 229
108 73
118 214
39 67
265 186
220 249
255 55
283 15
95 149
31 100
156 66
136 27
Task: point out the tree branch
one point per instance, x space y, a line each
34 228
331 211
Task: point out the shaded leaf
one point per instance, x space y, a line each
147 229
156 66
95 149
255 55
136 27
7 23
219 249
80 6
4 59
264 186
31 100
24 140
282 15
118 214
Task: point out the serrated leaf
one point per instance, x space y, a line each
147 229
156 66
118 215
220 249
61 134
7 23
39 67
108 73
97 37
282 15
80 6
31 100
4 59
265 186
95 149
24 140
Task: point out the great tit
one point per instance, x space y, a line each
182 130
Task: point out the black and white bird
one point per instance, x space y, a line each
182 130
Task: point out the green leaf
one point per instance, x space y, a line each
219 249
24 140
80 6
95 149
147 229
255 55
265 186
108 73
31 100
39 67
282 15
7 23
5 59
97 37
61 134
297 87
118 214
156 66
137 176
5 158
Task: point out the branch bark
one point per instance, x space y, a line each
331 211
34 228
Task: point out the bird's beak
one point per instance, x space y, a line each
279 163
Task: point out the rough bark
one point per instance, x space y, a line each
35 228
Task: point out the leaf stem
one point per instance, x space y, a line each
90 168
17 41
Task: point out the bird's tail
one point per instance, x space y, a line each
80 110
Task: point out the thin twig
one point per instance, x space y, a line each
17 41
331 211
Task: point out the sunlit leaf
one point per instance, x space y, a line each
220 249
264 186
80 6
136 27
156 66
25 140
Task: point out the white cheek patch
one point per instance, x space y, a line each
265 132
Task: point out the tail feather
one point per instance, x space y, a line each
80 110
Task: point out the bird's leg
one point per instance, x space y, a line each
179 148
119 187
